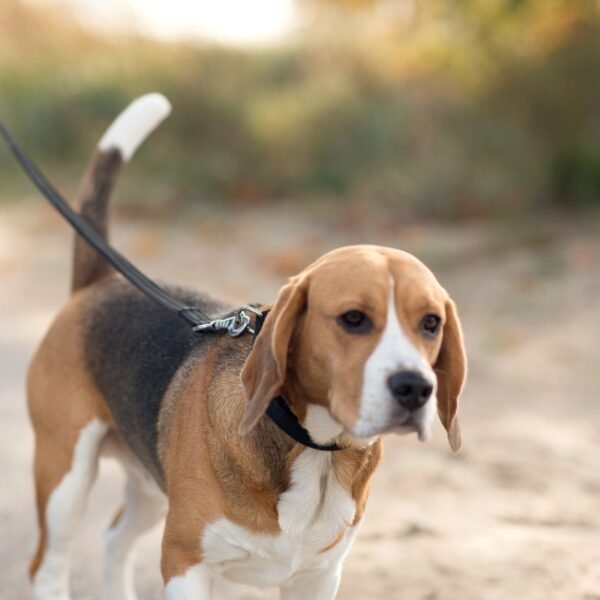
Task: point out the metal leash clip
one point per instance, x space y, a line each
235 325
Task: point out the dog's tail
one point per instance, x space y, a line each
116 147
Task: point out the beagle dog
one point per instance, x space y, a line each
362 342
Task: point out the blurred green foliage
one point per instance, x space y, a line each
470 108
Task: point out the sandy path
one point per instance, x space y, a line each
515 515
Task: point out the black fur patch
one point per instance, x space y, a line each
133 348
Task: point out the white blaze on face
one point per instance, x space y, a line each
379 411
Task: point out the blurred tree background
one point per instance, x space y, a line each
445 108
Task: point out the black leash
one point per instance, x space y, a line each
192 315
235 324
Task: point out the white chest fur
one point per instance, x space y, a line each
313 512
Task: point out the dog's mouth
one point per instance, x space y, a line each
418 421
397 420
414 425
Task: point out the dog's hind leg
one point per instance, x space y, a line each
145 505
70 421
63 481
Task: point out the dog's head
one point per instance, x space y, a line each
369 334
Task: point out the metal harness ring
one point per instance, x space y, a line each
235 325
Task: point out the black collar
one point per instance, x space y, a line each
286 420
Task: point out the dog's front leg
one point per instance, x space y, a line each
186 577
321 584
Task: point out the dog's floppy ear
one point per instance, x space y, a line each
264 372
451 371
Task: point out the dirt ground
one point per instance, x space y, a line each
514 516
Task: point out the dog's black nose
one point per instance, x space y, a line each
410 388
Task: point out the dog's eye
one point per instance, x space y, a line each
355 321
430 325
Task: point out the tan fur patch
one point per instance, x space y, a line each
184 449
354 469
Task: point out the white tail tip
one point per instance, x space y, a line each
135 124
